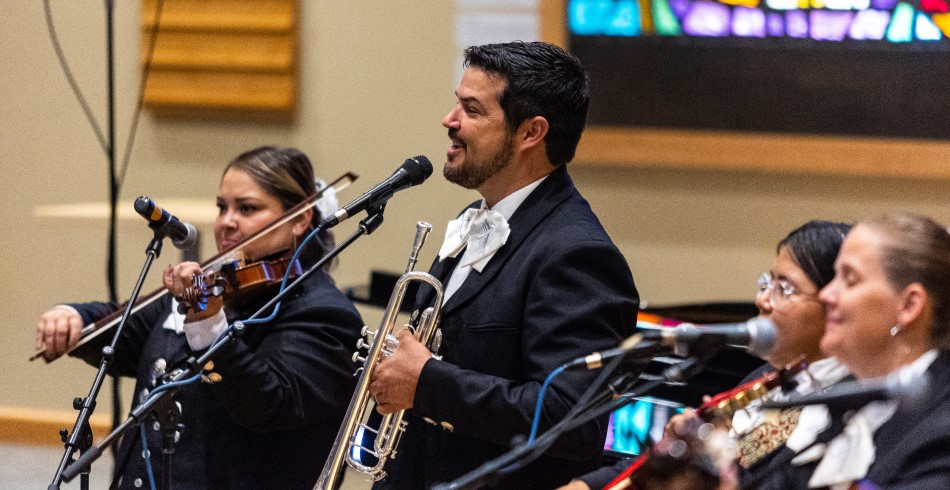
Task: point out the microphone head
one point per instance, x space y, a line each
418 168
156 216
142 205
187 241
147 209
762 336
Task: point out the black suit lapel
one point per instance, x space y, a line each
891 435
552 192
441 270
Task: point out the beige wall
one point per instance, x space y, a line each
375 84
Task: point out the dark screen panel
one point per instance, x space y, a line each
664 82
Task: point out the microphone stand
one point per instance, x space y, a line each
81 437
588 408
194 366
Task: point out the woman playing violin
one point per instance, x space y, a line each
888 320
281 388
787 295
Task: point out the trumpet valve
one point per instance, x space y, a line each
358 358
361 343
390 345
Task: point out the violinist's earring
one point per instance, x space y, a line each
896 329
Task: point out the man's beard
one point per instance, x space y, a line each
471 174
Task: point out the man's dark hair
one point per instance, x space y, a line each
540 80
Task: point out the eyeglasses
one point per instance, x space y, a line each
779 290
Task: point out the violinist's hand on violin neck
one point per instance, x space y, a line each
180 282
57 331
177 278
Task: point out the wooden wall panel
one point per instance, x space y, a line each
39 426
222 59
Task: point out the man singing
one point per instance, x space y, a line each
532 281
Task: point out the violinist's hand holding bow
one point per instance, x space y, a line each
57 331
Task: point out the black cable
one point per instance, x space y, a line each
115 180
582 403
119 180
146 69
69 77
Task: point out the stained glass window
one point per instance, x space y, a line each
820 20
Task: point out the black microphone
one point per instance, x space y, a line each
758 334
413 171
852 395
182 235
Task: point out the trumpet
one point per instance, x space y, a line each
384 343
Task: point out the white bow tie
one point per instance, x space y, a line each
481 232
848 456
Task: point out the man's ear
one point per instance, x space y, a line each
534 131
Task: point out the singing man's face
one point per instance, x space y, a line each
481 143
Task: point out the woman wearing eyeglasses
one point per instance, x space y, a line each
888 320
788 296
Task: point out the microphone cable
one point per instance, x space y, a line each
610 368
147 456
586 409
537 408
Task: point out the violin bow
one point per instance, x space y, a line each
95 329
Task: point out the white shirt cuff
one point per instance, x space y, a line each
202 333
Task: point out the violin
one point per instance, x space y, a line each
236 279
692 463
93 330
